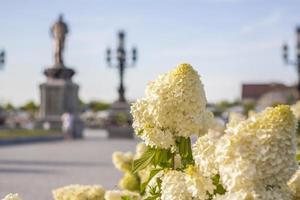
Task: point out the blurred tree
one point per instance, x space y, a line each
9 107
30 106
98 106
247 106
82 105
223 105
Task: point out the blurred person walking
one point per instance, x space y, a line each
67 125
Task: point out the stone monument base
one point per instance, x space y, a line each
125 132
47 123
59 95
55 123
119 121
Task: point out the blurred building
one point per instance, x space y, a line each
254 91
269 94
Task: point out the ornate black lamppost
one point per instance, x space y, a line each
296 62
2 58
121 62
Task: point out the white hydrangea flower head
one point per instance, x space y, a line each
296 109
177 161
270 192
259 192
233 120
129 182
198 185
174 186
118 194
122 161
217 129
205 156
294 184
145 127
79 192
11 196
175 105
239 195
259 150
140 150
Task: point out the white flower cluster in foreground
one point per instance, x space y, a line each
12 197
296 109
294 184
119 195
79 192
204 155
198 184
258 155
174 186
175 105
91 192
122 161
254 159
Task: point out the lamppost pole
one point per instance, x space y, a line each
121 62
2 58
298 57
296 62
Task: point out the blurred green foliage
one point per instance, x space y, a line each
30 106
98 105
9 107
248 106
21 133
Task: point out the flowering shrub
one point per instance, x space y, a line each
12 197
254 159
79 192
121 195
250 158
174 106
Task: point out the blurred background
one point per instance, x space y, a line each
230 42
221 38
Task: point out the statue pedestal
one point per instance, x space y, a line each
119 121
59 95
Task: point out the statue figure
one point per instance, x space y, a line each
59 30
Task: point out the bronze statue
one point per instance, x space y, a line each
59 30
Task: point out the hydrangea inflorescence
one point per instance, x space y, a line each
175 105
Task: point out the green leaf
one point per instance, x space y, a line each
183 147
144 161
153 197
185 151
162 158
152 174
219 187
155 191
157 158
140 132
298 157
126 198
166 157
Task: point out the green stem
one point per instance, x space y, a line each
173 161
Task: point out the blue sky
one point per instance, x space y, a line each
228 41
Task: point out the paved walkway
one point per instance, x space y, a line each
33 170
